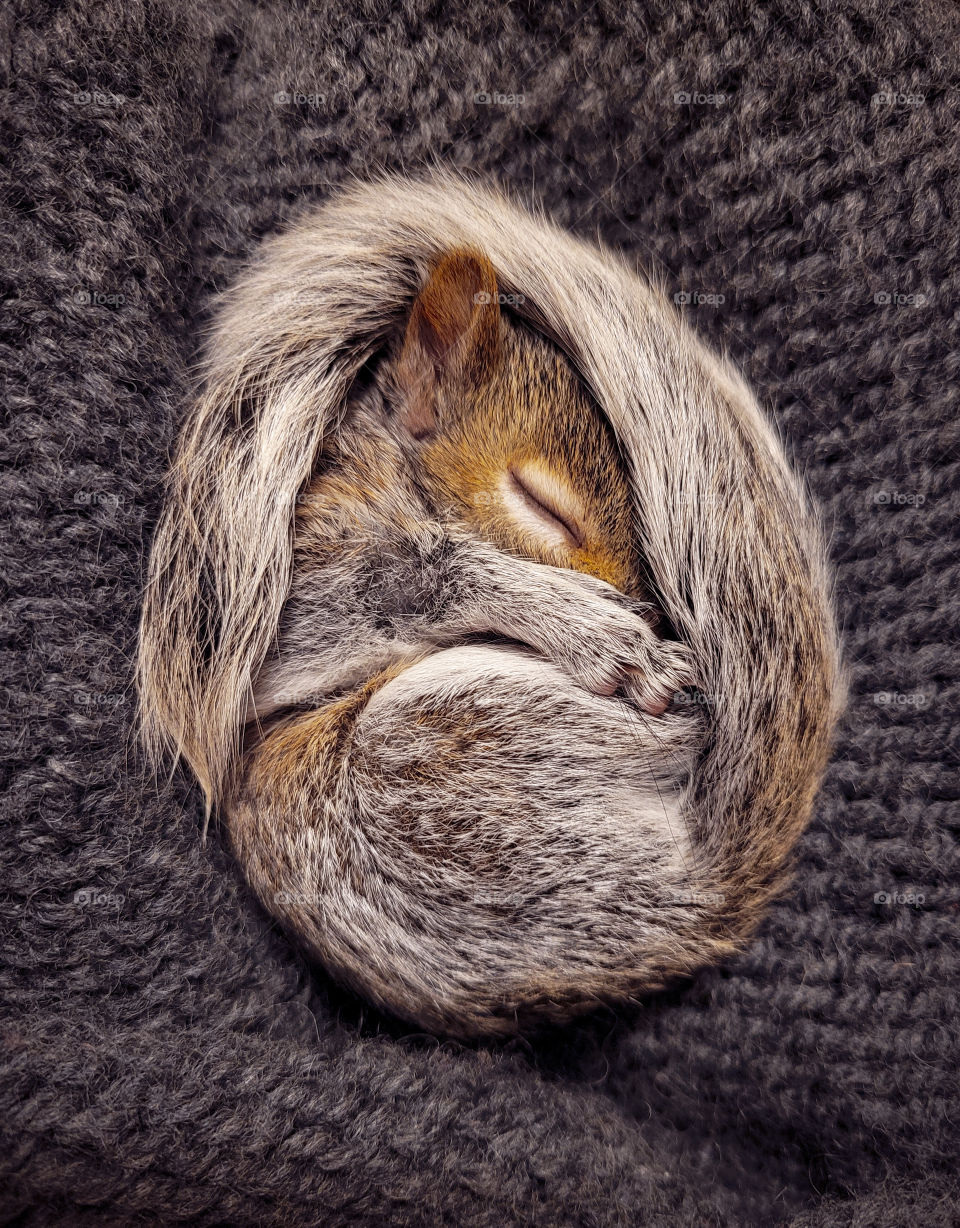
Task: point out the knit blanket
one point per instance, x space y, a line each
790 172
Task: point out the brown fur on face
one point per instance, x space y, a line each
508 438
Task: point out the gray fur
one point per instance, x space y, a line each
734 555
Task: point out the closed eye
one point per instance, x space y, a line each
540 500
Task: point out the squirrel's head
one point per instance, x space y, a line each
505 433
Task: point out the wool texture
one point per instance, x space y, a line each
792 171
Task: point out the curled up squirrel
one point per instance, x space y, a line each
488 613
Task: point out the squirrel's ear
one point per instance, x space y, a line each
452 337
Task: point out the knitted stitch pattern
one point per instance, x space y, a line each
792 171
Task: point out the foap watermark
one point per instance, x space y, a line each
895 298
898 498
699 898
96 298
900 699
902 897
299 98
98 98
298 298
296 899
696 698
284 499
698 98
491 98
93 897
695 298
97 498
97 699
897 98
300 699
483 298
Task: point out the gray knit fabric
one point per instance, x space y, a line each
793 169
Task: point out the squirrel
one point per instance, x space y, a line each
512 673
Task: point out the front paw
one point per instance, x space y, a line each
609 645
655 685
640 666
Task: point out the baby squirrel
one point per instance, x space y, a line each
448 722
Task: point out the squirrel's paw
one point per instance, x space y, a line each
654 686
609 646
